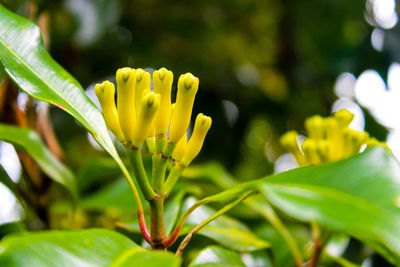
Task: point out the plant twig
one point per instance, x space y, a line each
186 240
318 247
319 242
173 177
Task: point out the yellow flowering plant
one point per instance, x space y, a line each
145 116
329 139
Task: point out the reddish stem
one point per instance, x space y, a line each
143 226
174 236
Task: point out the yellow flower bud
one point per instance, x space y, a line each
180 148
309 148
315 128
289 142
201 127
142 86
162 84
331 128
187 88
105 93
126 81
152 131
334 137
149 105
354 140
323 150
343 117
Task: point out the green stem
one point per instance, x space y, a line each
158 234
140 210
161 141
151 144
168 149
208 220
173 177
135 158
158 173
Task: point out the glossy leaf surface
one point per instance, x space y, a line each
217 257
29 65
94 247
30 142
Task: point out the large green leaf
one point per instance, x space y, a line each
95 247
63 248
217 257
27 62
359 195
29 141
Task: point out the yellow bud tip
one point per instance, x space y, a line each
124 74
289 140
162 73
99 88
104 90
151 100
204 122
201 127
314 127
189 80
308 146
344 117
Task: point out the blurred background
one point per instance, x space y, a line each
264 66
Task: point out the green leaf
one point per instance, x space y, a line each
97 171
217 257
6 180
226 231
358 196
11 227
27 62
94 247
116 196
29 141
140 257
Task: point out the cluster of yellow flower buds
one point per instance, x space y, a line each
145 115
329 139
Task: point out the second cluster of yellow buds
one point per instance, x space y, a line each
329 139
143 114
